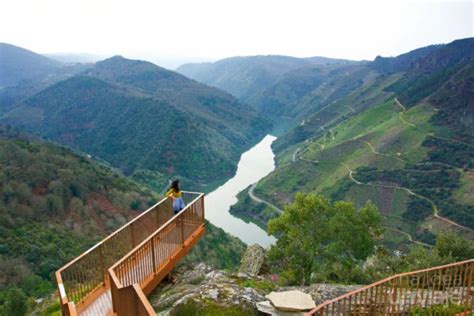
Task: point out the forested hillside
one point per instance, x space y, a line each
396 131
246 77
140 117
54 204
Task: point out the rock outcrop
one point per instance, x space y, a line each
200 288
204 288
254 262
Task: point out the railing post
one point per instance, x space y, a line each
157 215
102 266
181 221
469 285
132 235
153 255
202 208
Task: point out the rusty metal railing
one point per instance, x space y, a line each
138 272
86 277
444 290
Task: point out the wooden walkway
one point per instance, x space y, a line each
100 306
114 276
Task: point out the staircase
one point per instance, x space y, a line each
114 276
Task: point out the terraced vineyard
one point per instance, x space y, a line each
414 161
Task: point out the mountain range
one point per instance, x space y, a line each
245 77
138 117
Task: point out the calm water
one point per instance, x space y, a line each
254 164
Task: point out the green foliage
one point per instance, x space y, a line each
453 245
449 248
314 233
54 204
432 181
209 309
453 153
52 310
384 264
413 89
42 181
455 102
440 309
217 248
13 302
263 286
417 209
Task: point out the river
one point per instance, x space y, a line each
254 164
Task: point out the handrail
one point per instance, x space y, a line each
405 292
171 220
84 278
153 259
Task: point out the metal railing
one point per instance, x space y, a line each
444 290
152 260
84 278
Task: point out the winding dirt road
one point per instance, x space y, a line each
259 200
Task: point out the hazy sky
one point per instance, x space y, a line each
212 29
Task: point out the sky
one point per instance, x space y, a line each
176 31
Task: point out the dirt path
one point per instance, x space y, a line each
259 200
293 158
350 108
410 192
374 151
410 238
404 109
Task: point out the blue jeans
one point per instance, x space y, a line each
178 205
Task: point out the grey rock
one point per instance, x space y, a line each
203 285
214 294
254 261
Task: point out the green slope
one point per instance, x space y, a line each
54 204
414 162
138 116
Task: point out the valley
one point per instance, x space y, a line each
372 147
381 149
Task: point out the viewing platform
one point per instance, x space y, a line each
114 276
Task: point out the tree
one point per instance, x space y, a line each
15 302
451 244
314 233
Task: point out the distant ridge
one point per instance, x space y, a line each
75 58
244 77
18 64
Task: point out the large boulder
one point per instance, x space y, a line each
291 301
267 308
254 262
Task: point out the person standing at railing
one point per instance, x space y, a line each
175 193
